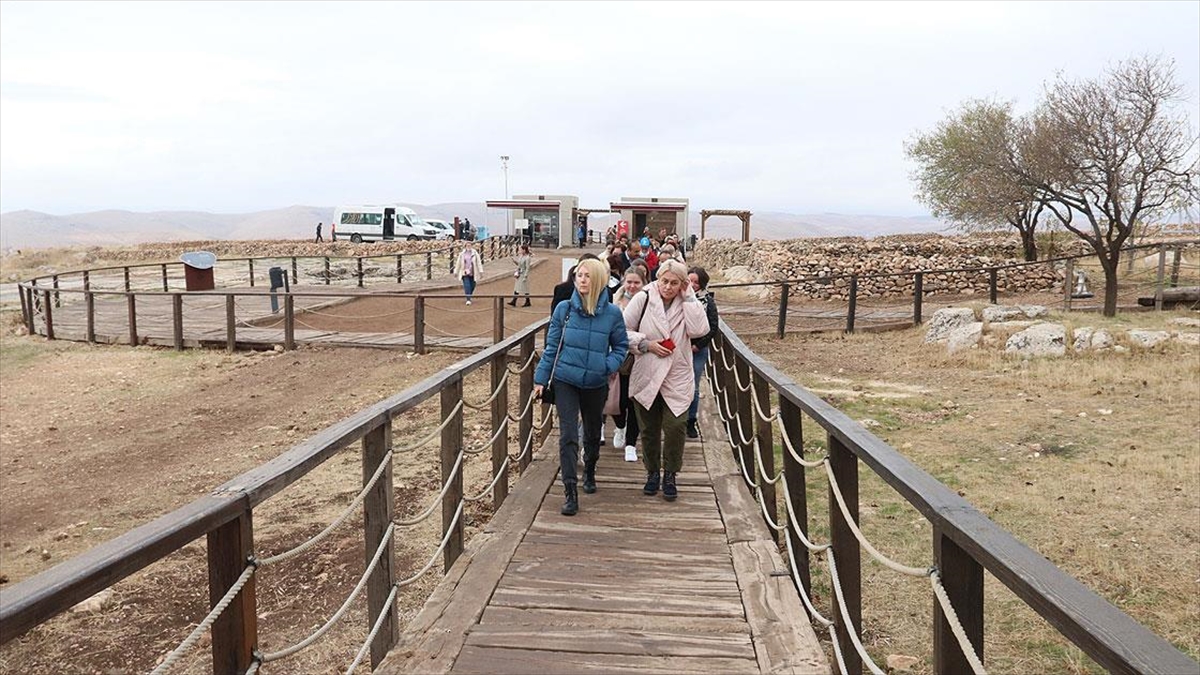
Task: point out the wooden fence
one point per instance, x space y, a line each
965 542
226 516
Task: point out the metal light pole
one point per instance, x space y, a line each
504 166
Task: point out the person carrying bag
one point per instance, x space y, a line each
585 344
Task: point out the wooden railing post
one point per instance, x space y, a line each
126 279
789 415
177 320
1158 283
289 322
744 424
29 294
499 410
1068 283
326 270
295 276
131 302
164 278
399 268
25 306
452 445
783 309
360 272
918 296
850 311
845 549
235 632
57 299
766 447
428 266
419 324
87 281
962 578
251 262
89 307
993 275
378 509
49 315
525 430
230 324
1176 255
497 319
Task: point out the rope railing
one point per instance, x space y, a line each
762 475
206 623
500 386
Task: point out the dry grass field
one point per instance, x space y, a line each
1093 461
96 440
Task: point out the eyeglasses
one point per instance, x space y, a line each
666 282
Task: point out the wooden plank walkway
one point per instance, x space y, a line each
631 584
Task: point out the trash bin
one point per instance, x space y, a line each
198 270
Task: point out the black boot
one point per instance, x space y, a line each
669 491
589 477
652 480
527 304
571 506
513 302
693 429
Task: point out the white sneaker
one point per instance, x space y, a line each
468 302
631 453
602 436
619 437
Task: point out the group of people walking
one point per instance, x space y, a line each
644 333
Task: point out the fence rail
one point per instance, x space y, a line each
225 515
966 542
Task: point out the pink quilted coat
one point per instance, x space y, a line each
671 375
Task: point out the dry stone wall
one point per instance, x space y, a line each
826 263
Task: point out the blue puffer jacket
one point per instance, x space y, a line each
592 349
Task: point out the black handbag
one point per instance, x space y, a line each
548 390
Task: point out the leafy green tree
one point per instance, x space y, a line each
964 173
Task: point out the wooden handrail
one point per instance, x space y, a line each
34 600
1111 637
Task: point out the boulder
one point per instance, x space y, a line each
999 313
1043 339
1147 339
1035 311
1102 339
1082 338
964 337
1185 321
1188 338
945 320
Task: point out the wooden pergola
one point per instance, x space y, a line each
743 215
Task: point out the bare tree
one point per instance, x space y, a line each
965 173
1108 154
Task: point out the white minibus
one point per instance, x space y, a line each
379 223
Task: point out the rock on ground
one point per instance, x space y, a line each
1035 311
964 337
998 313
1043 339
945 320
1148 338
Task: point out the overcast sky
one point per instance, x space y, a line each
800 107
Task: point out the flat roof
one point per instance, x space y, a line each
647 206
524 204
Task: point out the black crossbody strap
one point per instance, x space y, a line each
558 354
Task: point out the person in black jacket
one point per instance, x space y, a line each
698 278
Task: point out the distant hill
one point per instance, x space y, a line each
33 229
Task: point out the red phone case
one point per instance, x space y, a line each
669 344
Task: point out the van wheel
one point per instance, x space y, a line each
356 238
412 237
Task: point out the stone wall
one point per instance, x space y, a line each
829 261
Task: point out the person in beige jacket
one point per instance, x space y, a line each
661 383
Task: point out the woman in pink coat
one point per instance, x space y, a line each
661 383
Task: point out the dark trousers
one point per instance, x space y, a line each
574 402
664 436
627 418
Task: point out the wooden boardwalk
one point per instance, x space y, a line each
631 584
